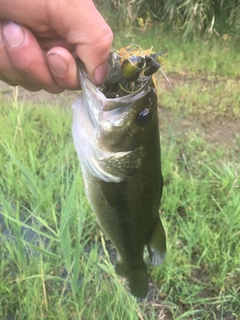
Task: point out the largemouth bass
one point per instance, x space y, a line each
117 142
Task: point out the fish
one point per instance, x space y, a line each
118 145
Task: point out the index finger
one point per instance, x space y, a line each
81 24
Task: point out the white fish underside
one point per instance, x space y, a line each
89 115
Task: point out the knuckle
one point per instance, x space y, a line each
31 88
101 42
54 89
106 39
8 82
25 65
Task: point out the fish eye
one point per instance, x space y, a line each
144 117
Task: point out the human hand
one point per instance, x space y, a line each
38 50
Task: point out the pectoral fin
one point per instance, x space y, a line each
121 164
157 244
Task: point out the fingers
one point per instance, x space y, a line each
95 56
63 68
24 63
7 72
58 25
88 31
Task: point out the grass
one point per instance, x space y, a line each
203 72
55 262
215 56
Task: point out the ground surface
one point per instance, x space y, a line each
182 271
217 129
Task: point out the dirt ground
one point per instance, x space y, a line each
218 130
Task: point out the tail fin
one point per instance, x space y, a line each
157 244
138 282
137 278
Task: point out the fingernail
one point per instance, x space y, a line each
57 64
13 34
101 72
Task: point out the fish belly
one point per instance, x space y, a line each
129 217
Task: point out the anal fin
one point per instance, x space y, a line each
157 244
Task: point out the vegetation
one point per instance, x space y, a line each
188 17
56 263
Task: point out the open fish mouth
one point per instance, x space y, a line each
107 92
116 85
131 70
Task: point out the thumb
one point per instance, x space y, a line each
81 24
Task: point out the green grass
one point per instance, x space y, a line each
204 72
214 56
66 271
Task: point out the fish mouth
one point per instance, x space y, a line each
92 92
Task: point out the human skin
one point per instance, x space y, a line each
41 39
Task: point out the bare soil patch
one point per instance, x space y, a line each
218 130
